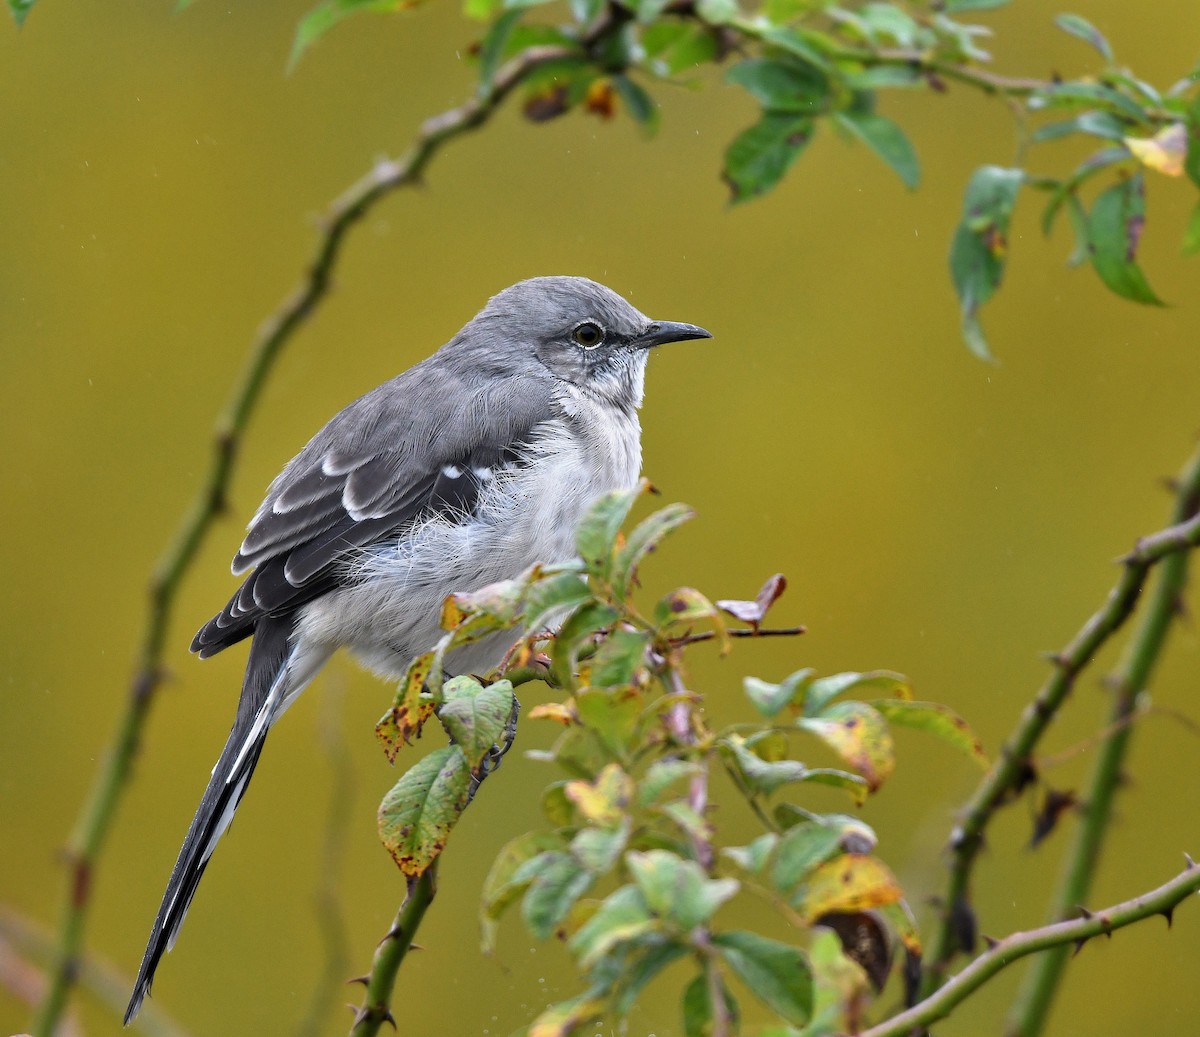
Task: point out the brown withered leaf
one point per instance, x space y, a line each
753 612
547 104
864 940
1054 805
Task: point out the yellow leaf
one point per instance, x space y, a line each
1164 152
559 711
852 882
604 801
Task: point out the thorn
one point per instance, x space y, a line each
1079 945
991 941
358 979
1168 914
393 933
416 947
1084 912
389 1018
1190 863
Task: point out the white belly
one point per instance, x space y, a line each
391 612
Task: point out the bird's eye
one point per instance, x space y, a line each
588 335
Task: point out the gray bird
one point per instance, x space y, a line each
464 470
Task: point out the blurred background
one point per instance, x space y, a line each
934 514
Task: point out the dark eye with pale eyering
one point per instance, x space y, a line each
588 335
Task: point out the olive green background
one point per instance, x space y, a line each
951 519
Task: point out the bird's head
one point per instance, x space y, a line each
583 334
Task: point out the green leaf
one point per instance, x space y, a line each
1067 95
660 776
761 775
491 48
959 6
621 916
475 716
790 85
646 536
1191 160
770 699
697 1007
574 634
717 12
888 141
1081 28
678 890
619 658
980 247
596 534
327 14
672 47
1067 188
775 972
820 692
758 157
638 103
754 856
936 719
500 889
855 784
560 881
550 598
416 816
1095 124
859 735
801 850
19 9
597 849
642 970
1114 230
612 716
890 23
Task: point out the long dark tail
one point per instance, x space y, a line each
264 689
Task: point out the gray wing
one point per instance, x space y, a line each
420 444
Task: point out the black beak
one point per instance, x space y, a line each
663 331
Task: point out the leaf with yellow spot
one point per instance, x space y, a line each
852 882
1164 152
604 801
859 734
559 711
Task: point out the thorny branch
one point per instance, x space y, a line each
1029 1012
940 1003
1015 758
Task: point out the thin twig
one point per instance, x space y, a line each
1032 1007
1000 782
709 635
96 818
1062 935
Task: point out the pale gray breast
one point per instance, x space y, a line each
526 514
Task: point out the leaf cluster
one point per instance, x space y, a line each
630 872
809 64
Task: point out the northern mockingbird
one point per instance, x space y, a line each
464 470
